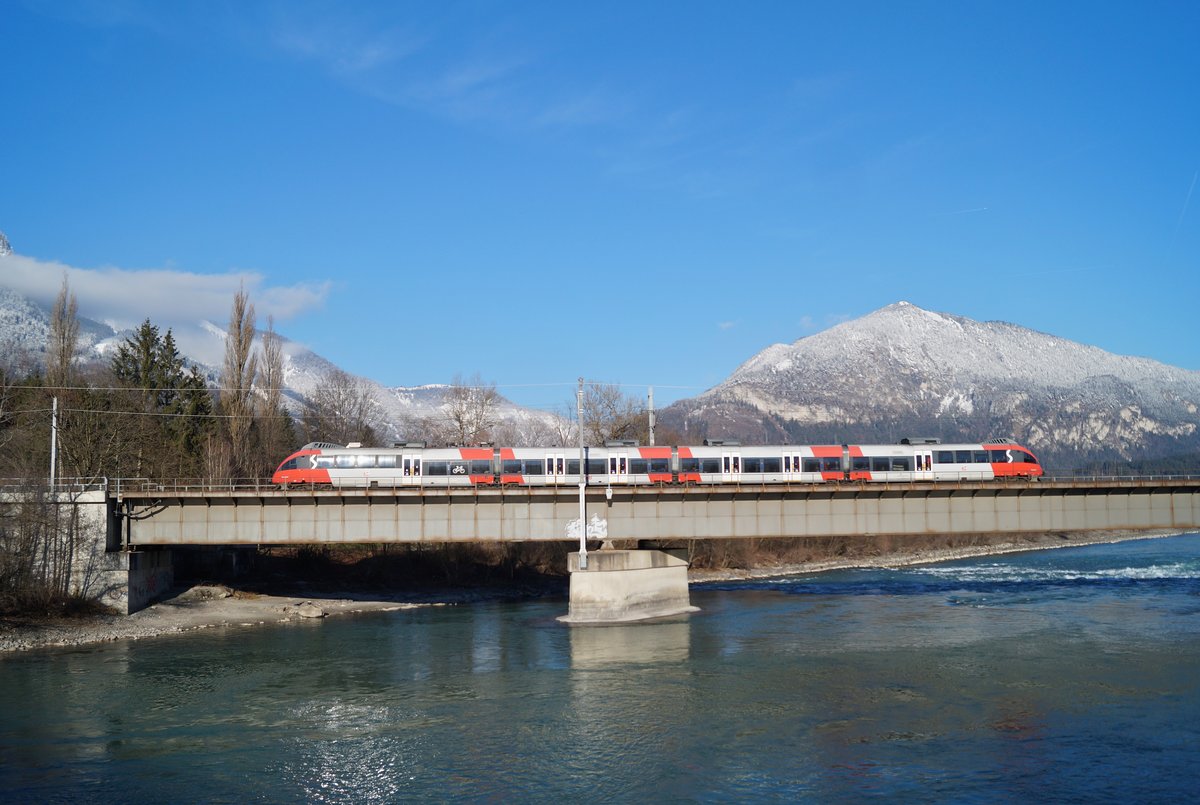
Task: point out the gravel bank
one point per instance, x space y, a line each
201 607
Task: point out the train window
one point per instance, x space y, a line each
962 456
710 465
660 465
979 457
737 463
638 466
771 465
511 467
998 456
533 467
364 461
689 465
787 463
880 464
812 465
290 464
416 466
901 464
481 467
943 457
343 461
573 466
831 465
437 468
459 467
752 464
386 461
323 461
860 463
1021 455
595 466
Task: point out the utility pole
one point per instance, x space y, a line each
53 443
650 396
582 480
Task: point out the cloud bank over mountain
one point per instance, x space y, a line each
124 298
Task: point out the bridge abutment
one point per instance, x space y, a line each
621 586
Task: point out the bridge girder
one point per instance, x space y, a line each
522 514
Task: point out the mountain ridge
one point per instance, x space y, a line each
902 370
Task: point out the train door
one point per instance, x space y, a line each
410 469
923 471
731 466
618 468
791 466
556 468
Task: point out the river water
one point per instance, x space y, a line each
1066 675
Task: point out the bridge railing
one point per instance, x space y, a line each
63 487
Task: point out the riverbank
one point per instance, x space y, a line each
215 606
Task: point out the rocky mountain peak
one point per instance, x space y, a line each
902 369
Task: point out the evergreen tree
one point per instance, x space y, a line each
151 366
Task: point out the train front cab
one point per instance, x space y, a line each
299 468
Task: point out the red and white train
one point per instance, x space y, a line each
626 463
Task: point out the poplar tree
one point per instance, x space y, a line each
64 338
237 385
276 435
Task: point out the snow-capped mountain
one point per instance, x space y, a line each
904 371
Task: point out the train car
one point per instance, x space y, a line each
929 460
630 464
543 466
717 462
323 464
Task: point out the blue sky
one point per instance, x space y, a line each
420 190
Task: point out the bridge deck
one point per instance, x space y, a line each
179 515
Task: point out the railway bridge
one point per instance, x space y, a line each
612 585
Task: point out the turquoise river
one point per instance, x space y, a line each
1070 675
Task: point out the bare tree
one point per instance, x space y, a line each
610 414
237 382
549 431
470 410
275 426
64 338
342 409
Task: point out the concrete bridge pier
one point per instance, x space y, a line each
622 586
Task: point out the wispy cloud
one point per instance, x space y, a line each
125 297
811 324
347 52
726 325
1186 202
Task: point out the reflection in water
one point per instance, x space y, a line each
632 644
1066 677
